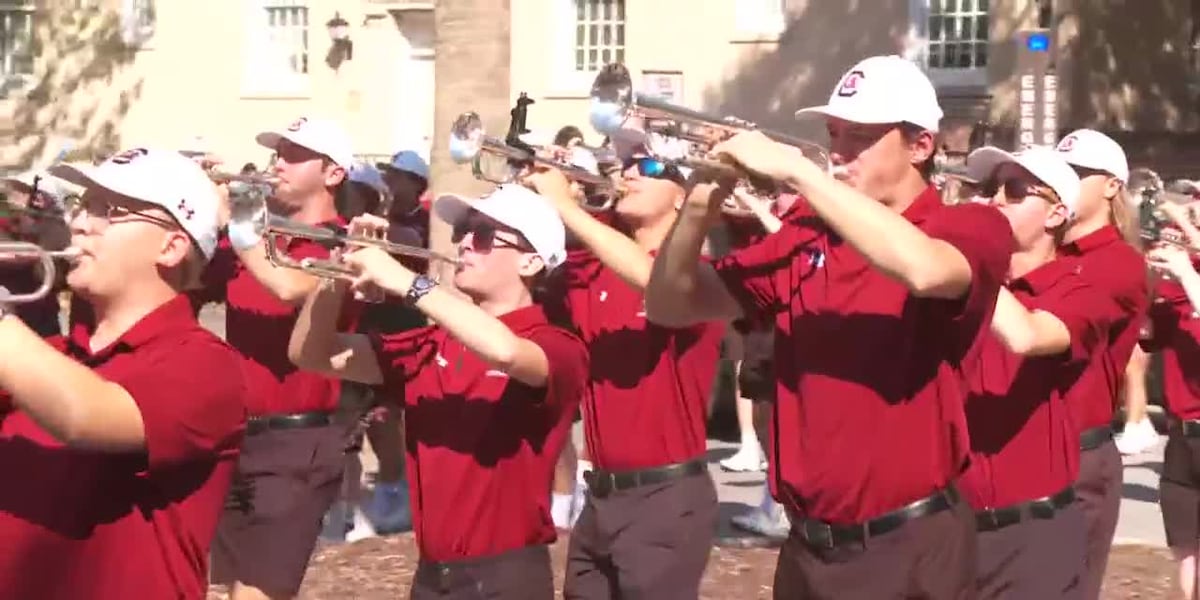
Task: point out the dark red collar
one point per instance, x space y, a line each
926 203
1090 242
171 316
1044 277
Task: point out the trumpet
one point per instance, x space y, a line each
250 186
24 252
469 143
274 228
614 102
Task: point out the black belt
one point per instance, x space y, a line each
1041 508
1095 437
304 420
820 534
601 483
1189 429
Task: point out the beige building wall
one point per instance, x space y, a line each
195 75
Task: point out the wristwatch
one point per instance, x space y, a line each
421 285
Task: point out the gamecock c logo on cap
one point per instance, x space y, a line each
850 83
1067 144
297 124
128 156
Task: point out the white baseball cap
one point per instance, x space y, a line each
54 189
1043 162
368 175
322 136
165 178
883 89
1091 149
409 162
517 207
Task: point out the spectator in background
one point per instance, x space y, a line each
568 136
249 169
405 179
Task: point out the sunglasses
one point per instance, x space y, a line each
483 236
652 167
1015 189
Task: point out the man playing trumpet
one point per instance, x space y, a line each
879 293
270 528
488 391
120 442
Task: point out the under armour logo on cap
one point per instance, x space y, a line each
297 124
1067 143
850 83
128 156
187 212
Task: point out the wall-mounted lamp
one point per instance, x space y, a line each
343 47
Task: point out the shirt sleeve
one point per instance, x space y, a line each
758 275
568 363
985 239
1162 319
401 355
1086 311
192 403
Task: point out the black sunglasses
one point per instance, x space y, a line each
483 235
653 168
1015 189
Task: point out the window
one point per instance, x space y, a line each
16 39
277 51
137 21
760 17
599 33
952 39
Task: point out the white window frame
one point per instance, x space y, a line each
20 9
265 71
567 78
918 50
759 20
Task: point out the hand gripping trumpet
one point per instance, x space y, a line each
252 209
614 103
24 252
1155 225
469 143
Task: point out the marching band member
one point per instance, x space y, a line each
40 203
1094 241
292 460
488 392
1048 326
127 433
651 512
880 294
1174 330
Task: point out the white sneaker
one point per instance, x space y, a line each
748 459
362 528
1137 437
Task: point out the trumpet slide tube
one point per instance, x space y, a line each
469 142
279 227
614 102
24 252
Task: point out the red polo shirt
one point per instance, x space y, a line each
259 325
79 524
1024 444
1115 268
1175 332
869 411
649 385
481 446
